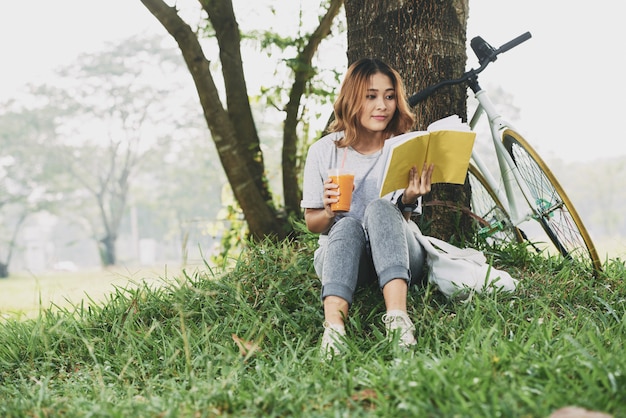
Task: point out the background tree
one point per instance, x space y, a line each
425 40
24 172
117 127
113 118
94 127
232 125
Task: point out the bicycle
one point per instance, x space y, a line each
523 174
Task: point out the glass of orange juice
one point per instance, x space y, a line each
345 179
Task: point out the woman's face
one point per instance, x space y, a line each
380 104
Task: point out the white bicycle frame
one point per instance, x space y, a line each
511 177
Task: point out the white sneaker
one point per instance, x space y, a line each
398 322
332 343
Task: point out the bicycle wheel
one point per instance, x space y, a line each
495 223
553 209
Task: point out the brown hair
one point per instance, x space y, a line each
352 95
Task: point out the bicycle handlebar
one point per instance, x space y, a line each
515 42
485 54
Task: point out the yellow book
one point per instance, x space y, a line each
447 143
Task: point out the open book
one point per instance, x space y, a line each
447 143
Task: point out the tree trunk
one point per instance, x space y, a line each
303 72
4 265
106 248
4 270
232 128
425 41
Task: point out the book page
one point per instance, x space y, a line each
409 151
450 151
449 123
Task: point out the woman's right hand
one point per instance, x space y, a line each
331 191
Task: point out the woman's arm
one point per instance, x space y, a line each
319 220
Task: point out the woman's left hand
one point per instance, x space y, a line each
419 183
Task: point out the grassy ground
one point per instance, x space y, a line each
244 342
25 295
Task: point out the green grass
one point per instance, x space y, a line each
26 294
169 351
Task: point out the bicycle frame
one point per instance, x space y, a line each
508 170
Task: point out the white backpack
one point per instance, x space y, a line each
458 272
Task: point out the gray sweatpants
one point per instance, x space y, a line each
357 253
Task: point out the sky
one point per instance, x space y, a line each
564 79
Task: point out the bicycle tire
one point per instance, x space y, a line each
496 225
554 210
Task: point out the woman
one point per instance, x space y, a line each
372 241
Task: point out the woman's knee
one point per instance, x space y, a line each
347 227
383 219
379 207
346 241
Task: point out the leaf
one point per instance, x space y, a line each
367 397
575 412
246 348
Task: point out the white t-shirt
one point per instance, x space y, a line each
325 154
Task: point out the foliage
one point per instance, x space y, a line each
244 342
112 133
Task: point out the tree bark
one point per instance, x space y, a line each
425 41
